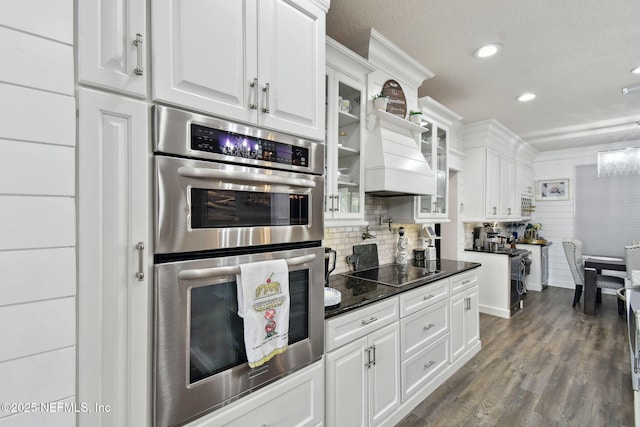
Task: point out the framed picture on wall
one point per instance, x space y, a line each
552 189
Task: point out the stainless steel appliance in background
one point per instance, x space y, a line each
228 194
519 262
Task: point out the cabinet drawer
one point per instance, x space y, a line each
417 299
350 326
464 281
423 367
420 329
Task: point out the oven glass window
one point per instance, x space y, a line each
216 335
228 208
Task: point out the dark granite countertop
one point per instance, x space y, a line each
357 293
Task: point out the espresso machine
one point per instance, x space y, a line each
485 237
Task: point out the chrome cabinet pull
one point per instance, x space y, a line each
203 273
254 84
428 297
373 348
265 89
494 210
368 364
430 364
371 320
140 249
138 71
429 326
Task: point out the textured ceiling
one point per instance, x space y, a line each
575 55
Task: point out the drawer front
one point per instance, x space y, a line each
421 329
425 296
343 329
464 281
423 367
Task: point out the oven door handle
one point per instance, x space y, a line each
203 273
202 173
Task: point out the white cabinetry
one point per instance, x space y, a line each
260 62
465 325
424 349
112 45
489 186
362 376
114 262
296 400
346 96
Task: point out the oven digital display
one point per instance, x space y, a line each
236 145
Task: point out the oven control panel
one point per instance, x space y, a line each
236 145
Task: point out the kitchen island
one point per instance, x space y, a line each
388 347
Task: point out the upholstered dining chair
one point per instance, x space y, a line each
573 251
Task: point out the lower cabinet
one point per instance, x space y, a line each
465 321
295 400
362 377
385 358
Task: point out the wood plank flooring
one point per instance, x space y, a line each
549 365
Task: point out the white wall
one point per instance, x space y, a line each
557 217
37 211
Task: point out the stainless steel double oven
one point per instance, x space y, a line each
228 194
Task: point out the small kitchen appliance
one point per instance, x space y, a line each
401 255
329 266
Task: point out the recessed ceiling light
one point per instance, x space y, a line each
526 97
636 70
487 50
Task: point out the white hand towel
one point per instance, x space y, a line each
263 302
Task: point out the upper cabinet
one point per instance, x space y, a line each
346 103
112 45
494 158
259 62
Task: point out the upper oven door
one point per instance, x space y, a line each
203 206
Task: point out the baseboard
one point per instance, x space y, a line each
506 314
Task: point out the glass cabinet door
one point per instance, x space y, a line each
434 147
346 101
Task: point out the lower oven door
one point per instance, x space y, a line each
203 205
200 360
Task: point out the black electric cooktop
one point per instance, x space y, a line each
395 274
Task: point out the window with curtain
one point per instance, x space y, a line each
607 211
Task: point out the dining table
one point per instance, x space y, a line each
594 265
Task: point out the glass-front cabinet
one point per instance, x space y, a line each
435 147
346 103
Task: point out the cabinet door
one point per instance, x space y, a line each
457 325
291 46
205 56
347 385
507 188
112 44
113 217
492 184
112 41
434 145
345 127
384 385
471 318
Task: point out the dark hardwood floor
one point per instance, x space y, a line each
549 365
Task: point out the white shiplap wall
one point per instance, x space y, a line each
557 217
37 210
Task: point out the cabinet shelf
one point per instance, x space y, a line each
397 121
348 149
347 184
346 119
